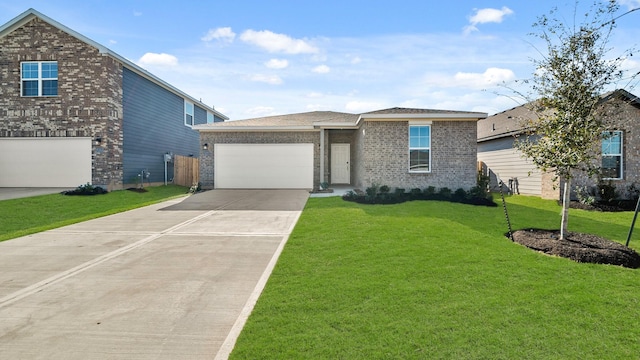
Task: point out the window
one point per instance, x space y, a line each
39 78
612 155
188 113
210 118
420 148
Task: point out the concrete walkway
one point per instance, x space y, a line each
168 281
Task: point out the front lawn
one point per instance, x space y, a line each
20 217
435 280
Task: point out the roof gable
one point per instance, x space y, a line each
31 14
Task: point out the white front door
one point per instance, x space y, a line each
340 163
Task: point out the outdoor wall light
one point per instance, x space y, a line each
98 140
205 146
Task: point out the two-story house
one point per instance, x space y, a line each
72 111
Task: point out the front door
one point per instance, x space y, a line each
340 163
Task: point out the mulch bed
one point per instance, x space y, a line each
579 247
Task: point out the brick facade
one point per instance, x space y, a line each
89 100
383 155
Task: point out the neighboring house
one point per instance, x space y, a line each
619 154
398 147
72 111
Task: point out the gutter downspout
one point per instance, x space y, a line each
321 156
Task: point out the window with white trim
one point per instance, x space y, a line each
39 78
188 113
612 155
419 148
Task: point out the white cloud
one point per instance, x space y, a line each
321 69
113 42
491 77
269 79
488 15
161 59
358 107
356 60
224 34
260 111
137 13
277 64
315 95
630 4
274 43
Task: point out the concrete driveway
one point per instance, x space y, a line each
16 193
175 280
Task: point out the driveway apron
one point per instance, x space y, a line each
175 280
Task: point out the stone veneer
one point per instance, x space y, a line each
89 100
383 155
207 157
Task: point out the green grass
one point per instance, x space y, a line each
434 280
20 217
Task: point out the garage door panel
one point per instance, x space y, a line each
263 166
45 162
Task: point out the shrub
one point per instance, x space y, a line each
444 193
607 191
416 194
86 189
584 195
384 189
459 195
429 192
399 193
371 192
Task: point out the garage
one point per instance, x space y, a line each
45 162
263 166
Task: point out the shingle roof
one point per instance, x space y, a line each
332 119
399 110
512 121
300 119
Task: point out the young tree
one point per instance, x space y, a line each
567 85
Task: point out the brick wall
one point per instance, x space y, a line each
88 102
619 116
383 152
207 157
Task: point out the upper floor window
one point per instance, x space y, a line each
420 148
188 113
39 78
612 155
210 118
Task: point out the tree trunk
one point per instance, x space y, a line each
566 200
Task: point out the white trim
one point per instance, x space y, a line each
621 155
420 122
40 79
434 116
226 128
193 113
321 156
409 148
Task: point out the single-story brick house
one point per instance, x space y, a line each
72 111
619 154
397 147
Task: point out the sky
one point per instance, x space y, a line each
259 58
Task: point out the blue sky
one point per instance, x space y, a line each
260 58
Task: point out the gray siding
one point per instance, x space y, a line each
199 115
153 124
505 162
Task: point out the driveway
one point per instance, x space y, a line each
15 193
175 280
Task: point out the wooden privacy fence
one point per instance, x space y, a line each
186 170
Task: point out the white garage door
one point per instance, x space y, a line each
45 162
263 166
